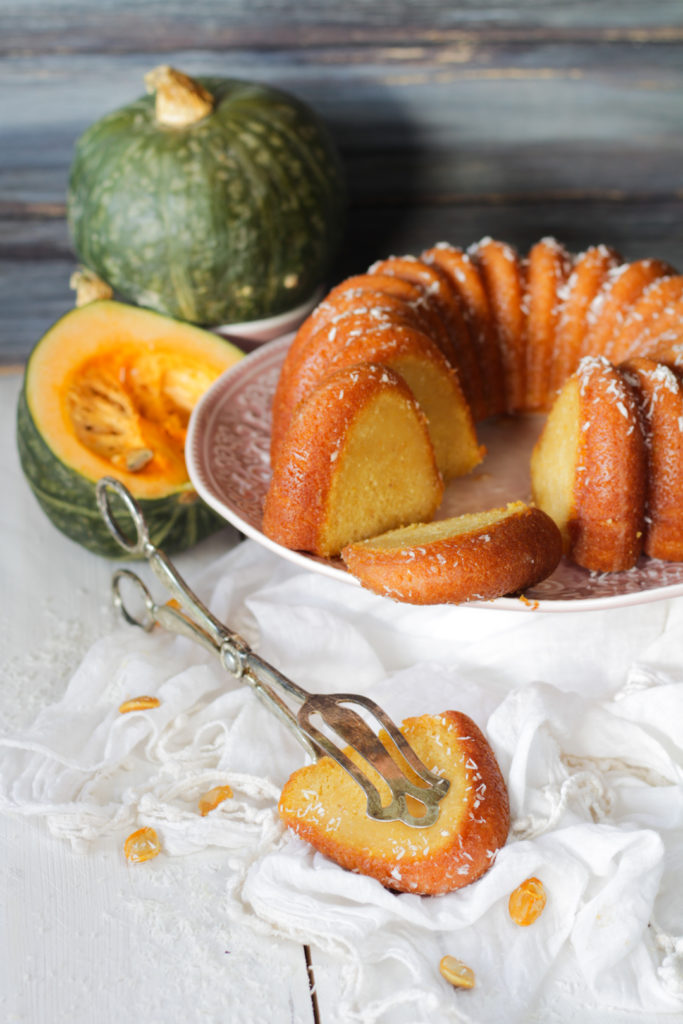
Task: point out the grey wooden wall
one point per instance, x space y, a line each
454 120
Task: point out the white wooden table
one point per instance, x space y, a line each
85 938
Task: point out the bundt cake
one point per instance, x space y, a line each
479 556
325 807
357 460
588 468
521 334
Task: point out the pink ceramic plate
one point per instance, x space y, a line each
227 457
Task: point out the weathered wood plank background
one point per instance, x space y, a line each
513 119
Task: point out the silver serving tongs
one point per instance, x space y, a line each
189 617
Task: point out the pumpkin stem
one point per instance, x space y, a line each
180 101
88 287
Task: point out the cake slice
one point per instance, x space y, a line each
479 556
589 467
324 806
357 459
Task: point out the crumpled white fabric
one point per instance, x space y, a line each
584 712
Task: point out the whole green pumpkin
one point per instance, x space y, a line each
228 211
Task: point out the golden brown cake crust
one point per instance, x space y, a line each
670 354
660 394
468 286
504 280
606 528
438 294
436 285
461 351
653 320
622 288
585 281
511 549
353 292
409 291
323 806
548 268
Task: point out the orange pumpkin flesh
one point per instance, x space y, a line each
115 394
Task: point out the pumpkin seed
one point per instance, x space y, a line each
138 459
526 903
142 845
139 704
456 972
209 801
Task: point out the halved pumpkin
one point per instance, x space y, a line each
108 391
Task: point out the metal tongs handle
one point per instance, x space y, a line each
188 616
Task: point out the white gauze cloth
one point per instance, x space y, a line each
584 712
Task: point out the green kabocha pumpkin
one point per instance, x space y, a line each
215 201
108 391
